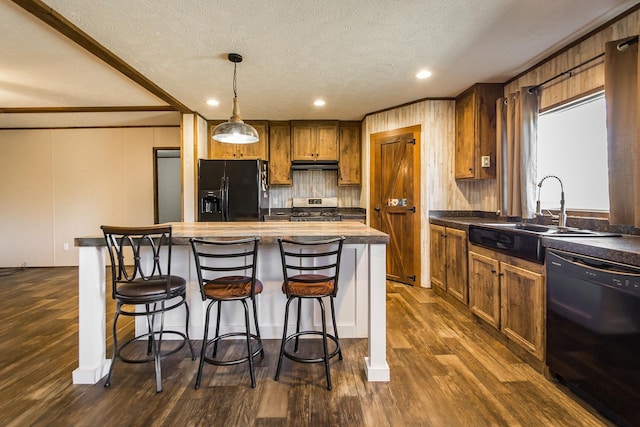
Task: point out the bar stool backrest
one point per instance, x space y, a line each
232 260
139 254
316 261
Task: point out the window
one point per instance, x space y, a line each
572 144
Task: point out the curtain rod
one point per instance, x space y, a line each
621 46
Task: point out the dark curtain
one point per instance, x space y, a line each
621 95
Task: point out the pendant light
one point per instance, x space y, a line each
235 131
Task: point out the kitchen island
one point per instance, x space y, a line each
360 304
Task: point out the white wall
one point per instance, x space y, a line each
58 184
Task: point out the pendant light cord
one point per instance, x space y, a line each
235 92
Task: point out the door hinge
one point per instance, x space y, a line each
413 278
412 142
412 209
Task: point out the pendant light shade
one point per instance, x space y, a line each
235 131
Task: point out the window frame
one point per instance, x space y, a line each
565 105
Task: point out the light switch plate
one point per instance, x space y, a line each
486 161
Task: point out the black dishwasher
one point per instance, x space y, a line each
593 332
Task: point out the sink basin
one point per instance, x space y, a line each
550 230
523 240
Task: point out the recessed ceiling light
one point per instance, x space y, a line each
213 102
424 74
318 102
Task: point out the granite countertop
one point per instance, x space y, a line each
355 232
624 249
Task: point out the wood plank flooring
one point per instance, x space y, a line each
445 371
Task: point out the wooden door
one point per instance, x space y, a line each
395 200
484 288
456 262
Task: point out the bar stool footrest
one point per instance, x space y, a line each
150 358
295 358
218 362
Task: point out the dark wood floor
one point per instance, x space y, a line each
445 371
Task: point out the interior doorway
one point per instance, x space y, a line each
395 199
167 185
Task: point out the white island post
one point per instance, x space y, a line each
360 304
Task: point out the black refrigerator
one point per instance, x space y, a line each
232 190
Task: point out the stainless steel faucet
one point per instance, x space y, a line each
562 217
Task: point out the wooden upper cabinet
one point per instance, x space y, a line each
257 150
476 131
350 164
317 140
280 153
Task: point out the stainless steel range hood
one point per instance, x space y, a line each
314 165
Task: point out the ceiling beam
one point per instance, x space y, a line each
125 109
59 23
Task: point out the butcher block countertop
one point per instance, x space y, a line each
355 233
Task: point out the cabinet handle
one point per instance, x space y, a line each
493 272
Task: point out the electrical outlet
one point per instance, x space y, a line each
486 161
66 246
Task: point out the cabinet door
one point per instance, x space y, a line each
303 142
349 172
484 288
257 150
327 141
465 136
456 262
437 256
523 305
279 153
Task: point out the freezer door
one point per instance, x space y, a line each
244 190
210 190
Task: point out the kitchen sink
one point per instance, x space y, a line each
550 230
523 240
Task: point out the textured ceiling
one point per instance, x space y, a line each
359 56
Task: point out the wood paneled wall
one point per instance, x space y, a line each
438 188
585 79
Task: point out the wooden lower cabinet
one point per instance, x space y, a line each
509 294
522 308
449 261
484 288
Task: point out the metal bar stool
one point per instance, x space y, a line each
310 270
227 272
141 278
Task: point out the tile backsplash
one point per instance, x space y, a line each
309 183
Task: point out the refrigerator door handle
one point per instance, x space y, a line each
222 199
226 198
